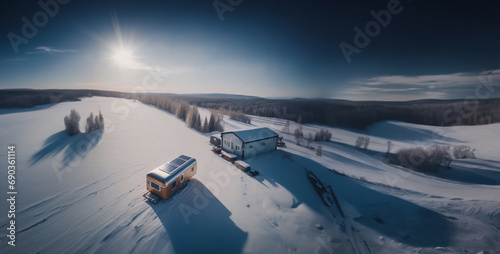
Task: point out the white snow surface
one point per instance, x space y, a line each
83 194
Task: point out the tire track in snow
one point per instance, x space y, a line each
90 234
335 208
66 204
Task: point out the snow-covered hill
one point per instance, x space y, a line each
83 194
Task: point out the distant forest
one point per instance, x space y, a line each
330 112
27 98
359 115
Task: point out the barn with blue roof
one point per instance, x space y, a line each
247 143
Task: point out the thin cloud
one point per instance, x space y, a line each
453 79
49 50
400 87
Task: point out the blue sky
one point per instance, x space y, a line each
262 48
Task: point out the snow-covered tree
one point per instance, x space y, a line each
101 121
72 123
205 126
215 122
359 142
218 122
193 119
198 123
182 110
211 123
90 126
94 122
319 151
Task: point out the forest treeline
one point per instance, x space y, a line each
27 98
359 115
319 111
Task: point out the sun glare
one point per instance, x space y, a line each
123 57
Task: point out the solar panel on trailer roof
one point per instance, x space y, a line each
174 164
177 162
169 168
184 157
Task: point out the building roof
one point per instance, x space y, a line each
254 134
170 170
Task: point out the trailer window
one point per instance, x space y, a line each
182 178
174 184
263 143
192 169
154 186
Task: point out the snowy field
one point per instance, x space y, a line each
83 194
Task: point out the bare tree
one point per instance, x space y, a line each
366 143
462 152
309 138
323 135
298 135
362 142
389 146
286 128
418 158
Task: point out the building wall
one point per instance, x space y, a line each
215 141
261 146
227 140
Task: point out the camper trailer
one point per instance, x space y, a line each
168 178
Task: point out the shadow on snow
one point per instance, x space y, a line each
74 147
397 132
391 216
199 223
6 111
471 171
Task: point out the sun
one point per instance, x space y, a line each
123 57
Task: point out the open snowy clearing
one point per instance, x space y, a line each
84 193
